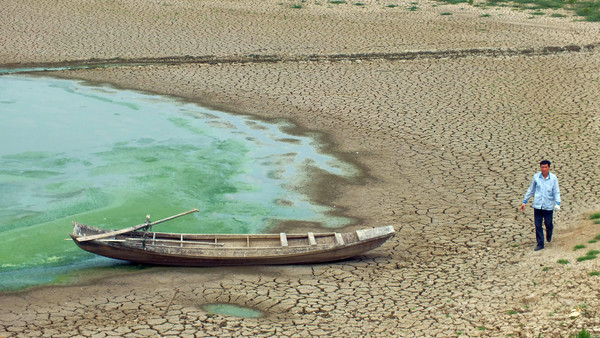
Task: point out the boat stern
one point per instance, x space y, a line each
77 230
82 230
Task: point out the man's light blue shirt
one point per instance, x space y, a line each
545 191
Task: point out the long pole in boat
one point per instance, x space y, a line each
133 228
170 218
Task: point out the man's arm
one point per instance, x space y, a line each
556 191
529 193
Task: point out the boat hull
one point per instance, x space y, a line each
226 250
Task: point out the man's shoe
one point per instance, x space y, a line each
549 239
538 248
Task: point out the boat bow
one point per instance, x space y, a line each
369 234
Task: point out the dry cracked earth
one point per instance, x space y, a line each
447 140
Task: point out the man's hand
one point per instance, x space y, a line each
522 207
557 207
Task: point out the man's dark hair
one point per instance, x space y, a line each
545 162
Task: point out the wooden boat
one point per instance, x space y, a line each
225 249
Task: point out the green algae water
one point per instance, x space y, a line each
107 157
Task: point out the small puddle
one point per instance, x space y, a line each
232 310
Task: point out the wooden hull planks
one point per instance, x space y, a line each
228 249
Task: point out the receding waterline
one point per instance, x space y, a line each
107 157
4 71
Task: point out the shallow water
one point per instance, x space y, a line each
232 310
108 157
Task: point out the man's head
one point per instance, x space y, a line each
545 167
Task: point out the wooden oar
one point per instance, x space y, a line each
133 228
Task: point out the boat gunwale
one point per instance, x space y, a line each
224 236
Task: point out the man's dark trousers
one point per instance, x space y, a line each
546 216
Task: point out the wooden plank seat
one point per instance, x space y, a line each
339 239
311 239
283 239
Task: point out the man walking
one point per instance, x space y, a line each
546 199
